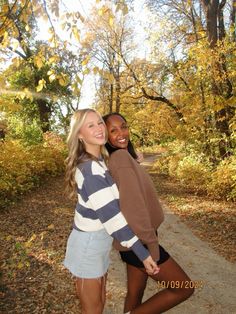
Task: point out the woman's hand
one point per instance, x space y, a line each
151 266
140 157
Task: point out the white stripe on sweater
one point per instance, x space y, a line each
102 197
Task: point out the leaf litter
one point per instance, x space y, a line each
33 238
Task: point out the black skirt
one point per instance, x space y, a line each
130 258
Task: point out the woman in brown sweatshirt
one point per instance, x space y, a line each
143 211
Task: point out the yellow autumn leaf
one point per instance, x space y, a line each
15 45
4 9
42 234
39 88
52 77
20 265
41 85
85 61
26 90
22 95
86 71
111 21
100 12
51 227
54 59
95 70
27 264
28 94
76 33
63 79
31 239
38 62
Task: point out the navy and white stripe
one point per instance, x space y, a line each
98 206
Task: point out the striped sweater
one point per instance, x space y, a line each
98 206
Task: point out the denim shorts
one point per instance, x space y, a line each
87 253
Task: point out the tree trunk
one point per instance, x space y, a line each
44 114
211 13
111 97
216 31
118 88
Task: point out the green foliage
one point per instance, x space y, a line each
30 133
23 167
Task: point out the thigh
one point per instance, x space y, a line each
91 293
136 279
170 271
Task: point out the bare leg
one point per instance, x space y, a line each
176 290
136 284
92 294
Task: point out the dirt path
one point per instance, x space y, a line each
32 244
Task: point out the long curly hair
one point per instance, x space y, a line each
77 153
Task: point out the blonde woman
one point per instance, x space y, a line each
97 217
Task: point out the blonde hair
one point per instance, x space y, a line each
76 149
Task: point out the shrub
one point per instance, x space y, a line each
196 172
29 133
223 180
193 172
23 167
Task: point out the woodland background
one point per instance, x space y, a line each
178 99
173 77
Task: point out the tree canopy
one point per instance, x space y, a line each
184 83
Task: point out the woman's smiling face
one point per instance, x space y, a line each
93 133
118 131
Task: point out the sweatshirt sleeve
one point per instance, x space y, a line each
132 200
105 203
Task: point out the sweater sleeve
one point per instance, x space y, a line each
106 205
132 199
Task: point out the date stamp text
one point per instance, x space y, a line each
176 284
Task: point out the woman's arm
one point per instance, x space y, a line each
105 202
132 199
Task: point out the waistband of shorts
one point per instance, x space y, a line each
76 228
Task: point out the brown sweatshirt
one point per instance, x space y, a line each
138 199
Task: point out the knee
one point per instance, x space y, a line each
182 293
135 292
189 292
186 292
134 298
